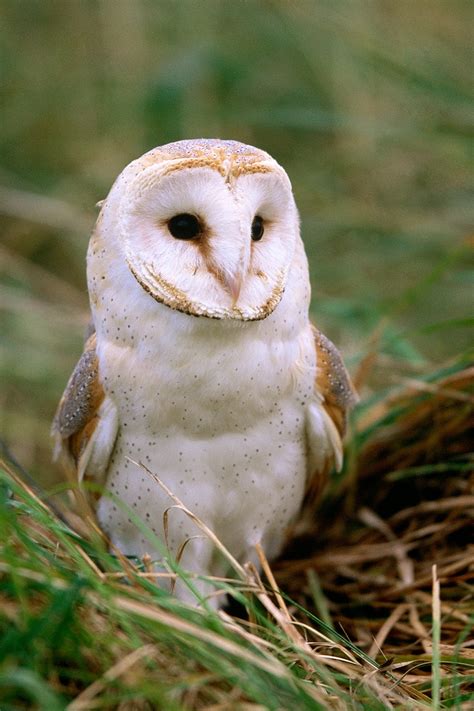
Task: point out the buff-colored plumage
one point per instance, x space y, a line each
204 365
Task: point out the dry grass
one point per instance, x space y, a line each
406 505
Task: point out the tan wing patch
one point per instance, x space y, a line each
82 397
86 424
333 382
79 440
334 397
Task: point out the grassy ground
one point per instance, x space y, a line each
366 104
371 607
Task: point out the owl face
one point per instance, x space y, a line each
207 228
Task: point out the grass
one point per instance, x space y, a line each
78 627
366 104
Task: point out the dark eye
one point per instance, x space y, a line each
257 228
185 226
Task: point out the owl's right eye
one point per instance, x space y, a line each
185 226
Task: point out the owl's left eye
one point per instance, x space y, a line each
257 228
185 226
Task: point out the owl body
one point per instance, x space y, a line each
204 362
219 415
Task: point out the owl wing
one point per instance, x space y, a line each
86 422
327 418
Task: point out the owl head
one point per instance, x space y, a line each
206 227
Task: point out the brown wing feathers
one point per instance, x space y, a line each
333 385
333 382
76 416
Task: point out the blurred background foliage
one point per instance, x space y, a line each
365 103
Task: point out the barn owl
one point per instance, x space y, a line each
203 364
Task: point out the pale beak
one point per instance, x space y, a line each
232 276
233 285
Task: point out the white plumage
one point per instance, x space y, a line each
204 365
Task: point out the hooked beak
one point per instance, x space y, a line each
230 266
233 284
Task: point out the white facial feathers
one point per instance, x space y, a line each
221 272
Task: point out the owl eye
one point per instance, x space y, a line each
185 226
257 228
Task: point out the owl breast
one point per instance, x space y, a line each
219 416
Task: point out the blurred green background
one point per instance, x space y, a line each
366 105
